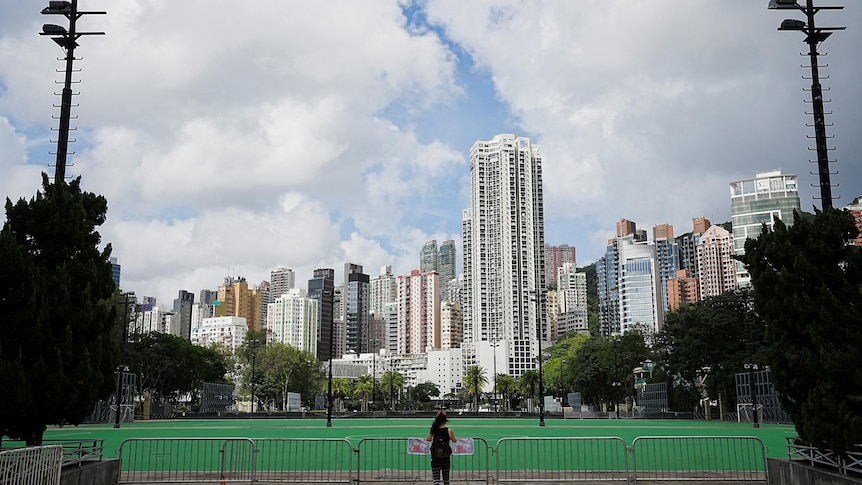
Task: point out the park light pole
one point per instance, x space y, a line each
67 39
539 334
562 391
253 343
328 294
813 37
494 346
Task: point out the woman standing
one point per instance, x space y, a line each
439 436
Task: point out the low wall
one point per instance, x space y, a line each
788 472
102 472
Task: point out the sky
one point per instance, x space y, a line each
234 138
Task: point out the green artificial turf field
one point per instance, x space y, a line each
490 429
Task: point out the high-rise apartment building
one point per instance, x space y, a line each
687 244
418 312
321 288
630 297
183 310
383 290
428 257
555 258
356 311
571 300
446 267
761 200
716 262
116 269
682 288
451 325
292 319
281 281
236 299
504 265
667 253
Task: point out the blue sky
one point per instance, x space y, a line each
306 134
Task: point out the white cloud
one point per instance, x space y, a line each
233 139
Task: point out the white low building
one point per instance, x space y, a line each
227 331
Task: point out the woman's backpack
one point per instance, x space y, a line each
440 448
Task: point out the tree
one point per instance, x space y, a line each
422 394
58 353
506 385
528 383
808 290
364 387
713 338
391 382
474 380
592 369
170 366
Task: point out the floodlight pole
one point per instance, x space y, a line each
67 40
814 36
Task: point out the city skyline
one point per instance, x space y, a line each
316 134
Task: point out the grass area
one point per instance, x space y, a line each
490 429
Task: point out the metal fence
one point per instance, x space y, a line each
298 460
387 460
186 460
521 460
36 465
696 458
850 463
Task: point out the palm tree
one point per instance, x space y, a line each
505 385
474 380
341 387
392 381
528 382
364 387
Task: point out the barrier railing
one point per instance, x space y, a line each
303 460
79 451
516 460
36 465
696 458
851 462
387 460
558 460
183 460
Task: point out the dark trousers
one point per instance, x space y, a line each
438 469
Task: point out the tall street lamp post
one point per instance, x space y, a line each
67 40
814 36
328 294
539 334
121 369
253 356
562 391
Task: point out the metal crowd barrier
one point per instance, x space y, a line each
850 462
186 460
697 458
529 460
387 460
303 460
36 465
76 452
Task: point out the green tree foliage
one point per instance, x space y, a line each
363 389
713 338
506 386
170 367
278 369
391 382
528 384
57 311
808 290
475 379
599 363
